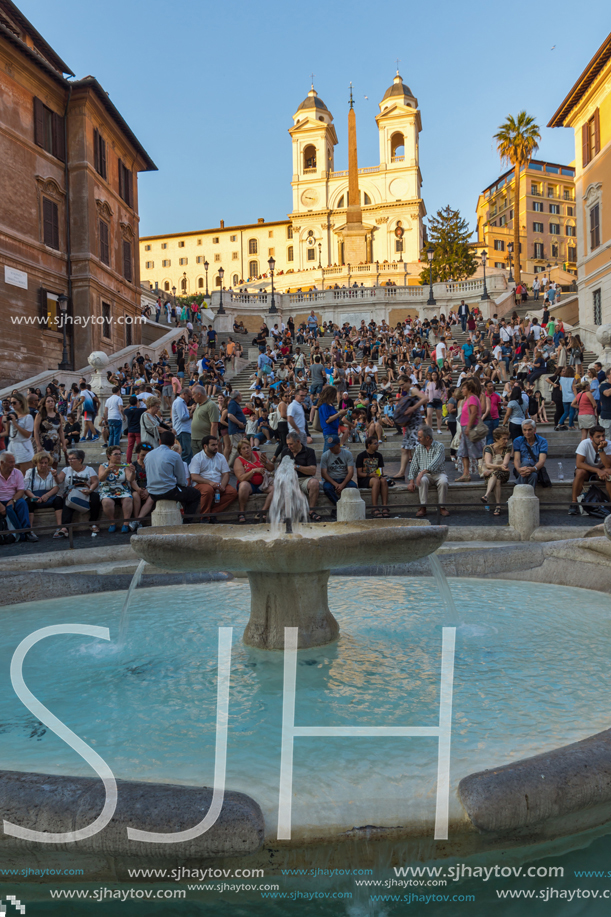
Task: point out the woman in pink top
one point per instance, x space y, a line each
587 408
470 416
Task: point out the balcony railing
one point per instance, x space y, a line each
397 159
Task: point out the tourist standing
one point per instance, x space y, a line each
181 421
205 418
113 414
21 427
295 416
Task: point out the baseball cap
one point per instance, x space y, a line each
333 440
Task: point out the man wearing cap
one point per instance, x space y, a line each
336 468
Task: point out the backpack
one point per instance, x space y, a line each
401 418
594 495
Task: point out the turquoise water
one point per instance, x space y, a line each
531 673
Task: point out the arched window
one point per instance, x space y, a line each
309 158
235 280
253 247
367 199
340 203
200 282
183 284
166 286
289 253
397 147
289 232
253 268
217 281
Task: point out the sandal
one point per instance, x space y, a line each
421 512
463 479
377 514
315 517
385 512
484 499
391 482
242 518
497 511
60 533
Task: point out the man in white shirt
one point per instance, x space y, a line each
210 474
296 417
536 330
181 421
505 332
113 414
593 463
440 352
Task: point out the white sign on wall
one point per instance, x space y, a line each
15 278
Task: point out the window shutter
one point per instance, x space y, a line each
59 138
50 220
39 127
121 180
102 156
127 261
585 144
96 149
42 304
130 188
596 133
104 248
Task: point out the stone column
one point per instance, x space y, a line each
351 506
166 512
523 511
279 600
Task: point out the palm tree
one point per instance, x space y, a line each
517 141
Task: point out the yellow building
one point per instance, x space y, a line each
311 237
547 214
587 109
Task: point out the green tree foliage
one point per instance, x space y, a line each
449 235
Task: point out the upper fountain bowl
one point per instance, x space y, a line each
313 548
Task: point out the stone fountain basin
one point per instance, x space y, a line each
315 547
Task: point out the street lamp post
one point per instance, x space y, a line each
485 293
174 295
510 279
184 284
320 254
272 265
206 266
221 310
430 254
62 304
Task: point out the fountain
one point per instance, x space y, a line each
288 570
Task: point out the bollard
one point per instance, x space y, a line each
351 506
523 511
166 512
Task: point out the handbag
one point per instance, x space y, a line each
77 500
479 432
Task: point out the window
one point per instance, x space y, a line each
572 253
106 320
166 286
235 280
499 245
570 211
49 130
147 248
500 264
126 184
166 263
553 169
271 252
215 240
50 223
253 248
200 259
235 256
200 282
128 331
590 139
218 281
199 241
538 269
253 269
503 220
554 208
149 265
309 158
232 238
127 261
537 227
366 198
104 243
164 244
217 257
49 309
551 191
289 232
538 206
597 306
397 147
99 153
554 228
570 230
554 249
289 253
594 227
270 233
311 254
538 250
181 244
183 261
535 188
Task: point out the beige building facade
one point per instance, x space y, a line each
587 110
311 238
547 212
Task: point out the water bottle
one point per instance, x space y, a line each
217 496
560 472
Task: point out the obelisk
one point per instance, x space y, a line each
354 234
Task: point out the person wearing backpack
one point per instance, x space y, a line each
593 463
407 418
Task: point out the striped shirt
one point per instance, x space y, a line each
424 459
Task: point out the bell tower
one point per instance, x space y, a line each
314 140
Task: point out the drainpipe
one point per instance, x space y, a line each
68 238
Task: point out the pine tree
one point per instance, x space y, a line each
449 235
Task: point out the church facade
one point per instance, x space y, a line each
326 229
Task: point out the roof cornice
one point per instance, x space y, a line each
576 94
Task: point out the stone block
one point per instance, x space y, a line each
166 512
351 506
523 508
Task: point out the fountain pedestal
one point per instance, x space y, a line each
288 573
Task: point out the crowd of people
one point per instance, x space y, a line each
414 380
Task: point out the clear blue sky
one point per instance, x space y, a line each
210 87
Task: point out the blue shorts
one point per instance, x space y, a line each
316 389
